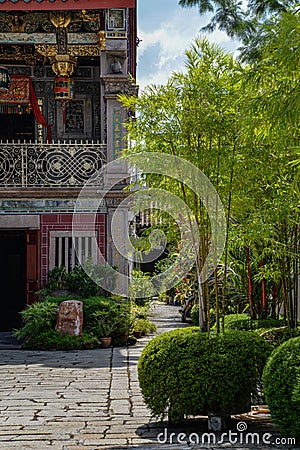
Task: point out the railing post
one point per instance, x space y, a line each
23 162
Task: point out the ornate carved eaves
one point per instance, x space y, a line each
50 51
18 53
49 38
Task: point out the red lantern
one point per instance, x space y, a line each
64 88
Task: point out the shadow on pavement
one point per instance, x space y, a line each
193 433
87 359
166 317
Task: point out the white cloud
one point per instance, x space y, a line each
165 45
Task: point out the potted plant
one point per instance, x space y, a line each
121 333
143 326
106 322
112 320
164 298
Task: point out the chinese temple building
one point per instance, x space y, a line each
62 65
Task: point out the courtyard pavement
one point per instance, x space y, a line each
89 400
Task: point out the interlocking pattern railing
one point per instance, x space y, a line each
49 165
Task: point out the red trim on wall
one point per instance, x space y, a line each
21 5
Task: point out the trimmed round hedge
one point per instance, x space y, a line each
186 372
296 396
244 322
280 385
276 336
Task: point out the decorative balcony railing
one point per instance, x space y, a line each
58 164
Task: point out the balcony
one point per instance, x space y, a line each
56 165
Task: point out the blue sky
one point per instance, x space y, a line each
166 30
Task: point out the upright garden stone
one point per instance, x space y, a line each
70 318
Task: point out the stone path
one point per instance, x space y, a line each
83 400
8 341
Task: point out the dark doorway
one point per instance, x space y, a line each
12 277
17 127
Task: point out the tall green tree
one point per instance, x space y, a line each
239 125
192 117
244 22
270 99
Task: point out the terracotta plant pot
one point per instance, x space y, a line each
123 339
106 341
137 334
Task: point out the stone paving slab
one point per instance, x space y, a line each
84 400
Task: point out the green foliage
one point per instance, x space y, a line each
51 340
247 22
240 126
236 321
37 318
195 316
57 279
280 383
296 396
141 288
276 336
79 281
144 325
83 280
185 372
91 279
140 311
244 322
105 317
105 322
102 316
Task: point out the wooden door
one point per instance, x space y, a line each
32 265
12 278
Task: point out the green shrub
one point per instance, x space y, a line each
51 340
185 372
144 325
244 322
141 288
195 314
140 312
79 281
105 317
276 336
280 382
84 281
38 317
100 315
57 279
296 394
265 323
92 305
